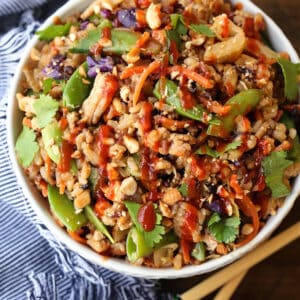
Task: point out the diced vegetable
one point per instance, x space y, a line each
45 109
62 207
136 246
173 99
274 166
183 189
88 211
290 72
77 88
26 146
47 85
241 104
199 251
52 138
53 31
224 230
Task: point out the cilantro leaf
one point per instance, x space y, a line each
205 150
47 85
203 29
26 146
273 167
233 145
290 72
224 230
45 109
183 189
151 237
53 31
178 24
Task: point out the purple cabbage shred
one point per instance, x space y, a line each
104 64
55 69
105 13
127 17
83 25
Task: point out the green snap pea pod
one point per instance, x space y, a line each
63 208
136 246
172 98
89 213
52 133
240 104
123 40
77 89
53 31
294 152
199 251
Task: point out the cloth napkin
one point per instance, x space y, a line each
33 265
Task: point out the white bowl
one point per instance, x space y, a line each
40 205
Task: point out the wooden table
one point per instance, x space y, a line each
277 278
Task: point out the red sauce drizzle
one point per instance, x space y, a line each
249 27
105 132
253 46
147 217
66 152
225 27
190 221
146 118
106 34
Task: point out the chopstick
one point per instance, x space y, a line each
220 278
229 288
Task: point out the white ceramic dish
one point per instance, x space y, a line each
40 206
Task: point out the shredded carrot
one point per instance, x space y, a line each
141 17
143 39
26 122
216 107
62 188
284 146
247 207
138 89
48 165
63 123
201 80
173 124
44 187
185 248
221 249
128 72
75 236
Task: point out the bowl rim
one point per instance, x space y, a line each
115 264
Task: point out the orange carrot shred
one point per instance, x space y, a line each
138 89
26 122
75 236
128 72
201 80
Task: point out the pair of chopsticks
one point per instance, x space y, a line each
231 276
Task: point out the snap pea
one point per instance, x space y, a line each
89 213
136 246
63 208
173 99
53 31
240 104
50 133
199 251
123 40
77 89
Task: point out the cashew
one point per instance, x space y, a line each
229 49
153 16
128 186
131 144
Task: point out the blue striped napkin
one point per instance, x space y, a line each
33 265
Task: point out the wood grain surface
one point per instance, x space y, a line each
277 278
